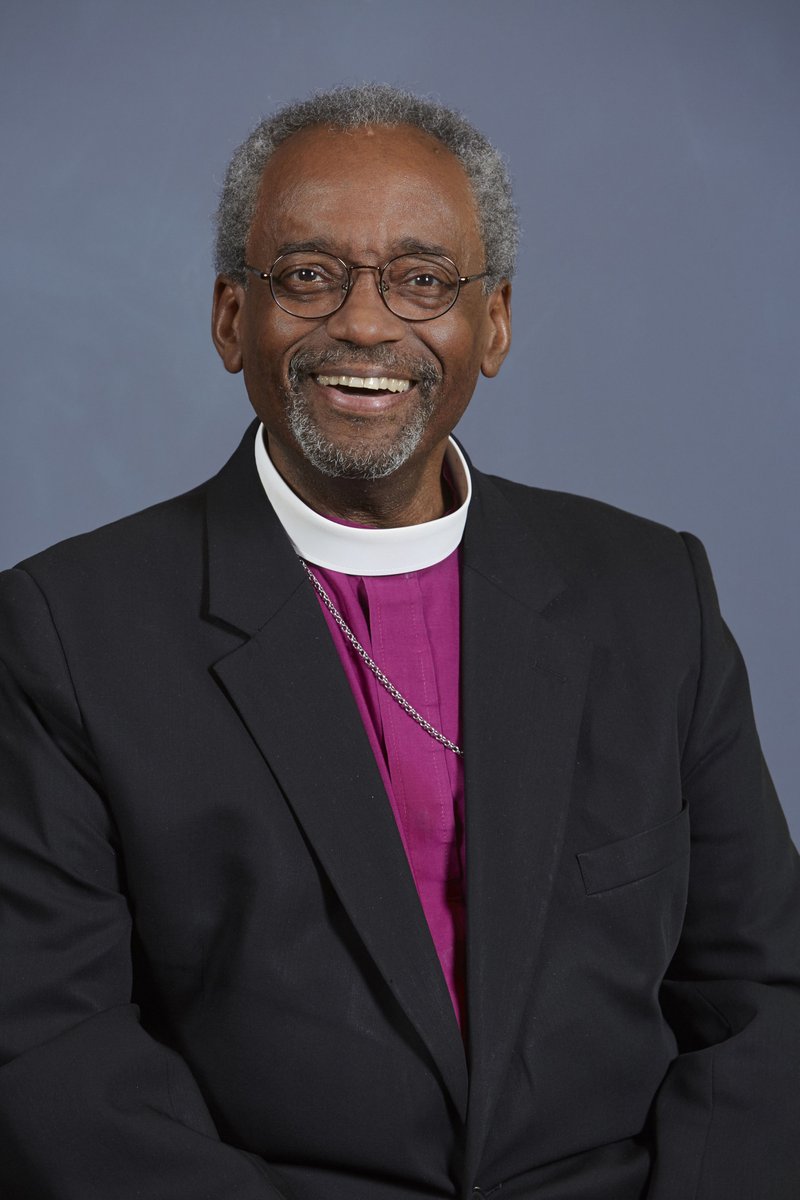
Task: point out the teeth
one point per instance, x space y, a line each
374 383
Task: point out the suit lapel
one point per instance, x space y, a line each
287 684
523 686
523 683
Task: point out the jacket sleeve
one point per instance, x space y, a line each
91 1106
727 1117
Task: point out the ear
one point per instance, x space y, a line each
226 313
499 317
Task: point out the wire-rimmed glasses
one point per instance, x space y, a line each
415 287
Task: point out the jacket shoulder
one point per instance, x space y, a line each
590 536
164 536
124 550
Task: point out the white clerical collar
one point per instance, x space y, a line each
356 551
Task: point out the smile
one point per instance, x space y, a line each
372 383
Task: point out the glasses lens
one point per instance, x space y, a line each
420 286
308 284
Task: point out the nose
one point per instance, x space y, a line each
364 319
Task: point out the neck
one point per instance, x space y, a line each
415 493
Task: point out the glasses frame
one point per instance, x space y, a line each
382 287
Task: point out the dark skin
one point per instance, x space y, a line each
364 195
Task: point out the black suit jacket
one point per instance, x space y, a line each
217 979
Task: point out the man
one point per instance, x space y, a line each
375 828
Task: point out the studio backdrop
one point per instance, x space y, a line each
656 360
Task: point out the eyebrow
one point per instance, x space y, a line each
324 246
415 246
320 245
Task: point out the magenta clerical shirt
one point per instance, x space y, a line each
408 622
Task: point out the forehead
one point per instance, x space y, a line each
373 191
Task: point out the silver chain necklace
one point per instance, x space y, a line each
382 679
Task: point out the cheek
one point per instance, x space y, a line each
458 339
269 342
459 354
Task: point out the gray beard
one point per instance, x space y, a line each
358 462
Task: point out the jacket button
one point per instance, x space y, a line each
477 1193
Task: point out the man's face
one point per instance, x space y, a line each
364 196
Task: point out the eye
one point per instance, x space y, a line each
419 275
426 280
421 278
303 277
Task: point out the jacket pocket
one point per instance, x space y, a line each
637 857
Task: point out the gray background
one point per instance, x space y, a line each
656 156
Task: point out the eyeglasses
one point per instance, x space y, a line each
416 287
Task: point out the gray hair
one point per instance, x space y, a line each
353 108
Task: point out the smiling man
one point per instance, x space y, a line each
363 340
373 828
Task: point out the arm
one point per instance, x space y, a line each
727 1118
91 1106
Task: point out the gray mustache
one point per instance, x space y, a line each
378 360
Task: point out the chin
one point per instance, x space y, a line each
348 458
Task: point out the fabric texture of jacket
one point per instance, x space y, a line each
217 980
